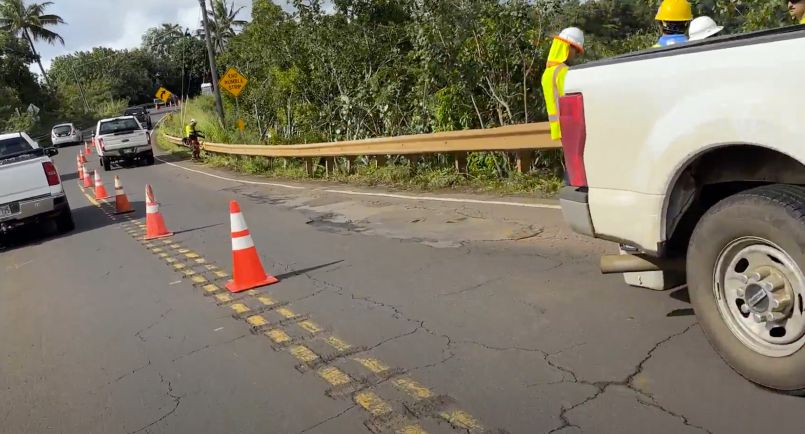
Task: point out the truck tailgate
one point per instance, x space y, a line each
125 139
22 180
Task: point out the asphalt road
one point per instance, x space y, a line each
392 315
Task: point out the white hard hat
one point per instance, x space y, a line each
703 27
573 36
192 121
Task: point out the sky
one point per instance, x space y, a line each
118 24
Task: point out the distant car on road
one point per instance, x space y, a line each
30 187
65 134
141 113
122 139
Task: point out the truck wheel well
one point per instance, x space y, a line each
716 174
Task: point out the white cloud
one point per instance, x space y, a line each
119 23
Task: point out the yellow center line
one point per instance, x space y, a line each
372 403
413 388
334 376
211 289
223 298
266 301
338 344
411 429
256 321
240 308
461 419
278 336
373 365
287 313
199 279
304 354
310 326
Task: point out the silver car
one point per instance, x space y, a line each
65 134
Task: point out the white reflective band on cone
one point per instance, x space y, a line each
238 222
242 243
152 209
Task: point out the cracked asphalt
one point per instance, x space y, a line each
495 318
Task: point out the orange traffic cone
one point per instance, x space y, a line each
154 223
100 190
247 271
80 169
122 205
82 158
87 150
87 178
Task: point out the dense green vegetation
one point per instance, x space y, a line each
346 69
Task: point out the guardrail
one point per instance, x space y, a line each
520 139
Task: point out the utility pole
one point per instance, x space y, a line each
219 105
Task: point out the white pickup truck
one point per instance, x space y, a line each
692 158
122 139
30 187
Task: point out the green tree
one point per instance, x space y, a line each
30 22
225 23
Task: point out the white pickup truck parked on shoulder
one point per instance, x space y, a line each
693 159
122 139
30 187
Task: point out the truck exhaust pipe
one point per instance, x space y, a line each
614 264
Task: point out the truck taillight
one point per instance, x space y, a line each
51 173
574 137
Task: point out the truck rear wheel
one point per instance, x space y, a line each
64 222
745 275
107 165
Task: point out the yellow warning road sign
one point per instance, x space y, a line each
233 82
164 94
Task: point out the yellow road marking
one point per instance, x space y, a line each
188 272
334 376
372 403
211 289
175 246
287 313
338 344
240 308
257 320
266 301
163 255
461 420
304 354
148 245
411 429
310 326
199 279
179 265
373 365
166 242
223 298
157 250
183 251
278 336
170 260
191 255
220 274
200 261
413 388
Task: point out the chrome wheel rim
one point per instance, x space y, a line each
759 291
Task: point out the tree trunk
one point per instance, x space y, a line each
38 58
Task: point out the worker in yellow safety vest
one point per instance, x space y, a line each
567 45
674 17
797 10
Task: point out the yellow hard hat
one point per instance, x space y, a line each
674 10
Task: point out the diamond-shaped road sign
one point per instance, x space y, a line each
164 94
233 82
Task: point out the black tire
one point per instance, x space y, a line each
64 222
775 213
107 164
149 159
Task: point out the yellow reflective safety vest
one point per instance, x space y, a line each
188 131
802 21
553 83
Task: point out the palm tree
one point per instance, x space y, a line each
30 22
225 23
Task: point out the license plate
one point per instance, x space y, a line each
129 151
5 210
